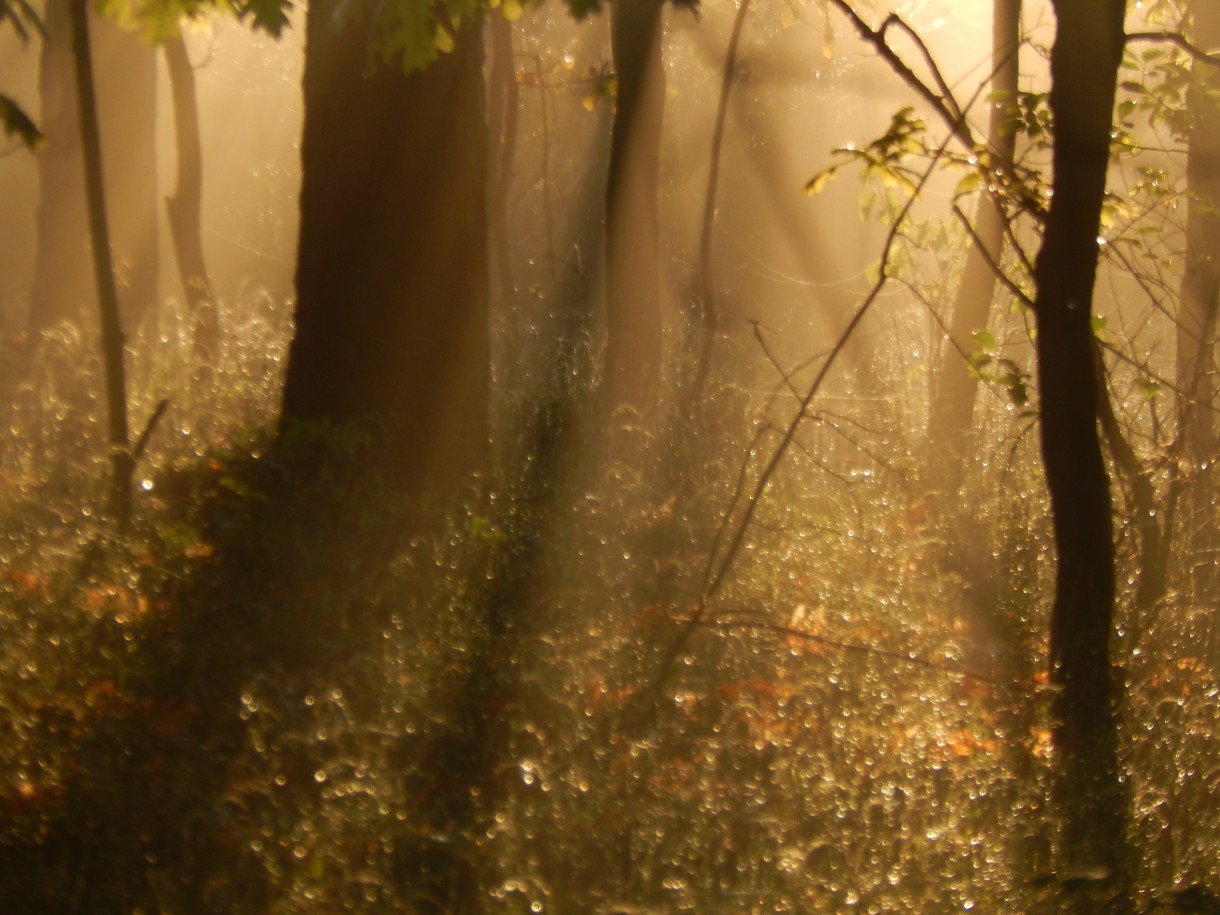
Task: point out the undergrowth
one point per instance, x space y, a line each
293 688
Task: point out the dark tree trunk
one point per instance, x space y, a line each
391 319
126 102
99 235
1088 792
952 417
184 209
633 315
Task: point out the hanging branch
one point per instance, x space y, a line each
107 294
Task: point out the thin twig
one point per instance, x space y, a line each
142 442
946 107
714 574
1000 275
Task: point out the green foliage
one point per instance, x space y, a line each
1030 115
884 158
1154 87
987 365
22 17
17 123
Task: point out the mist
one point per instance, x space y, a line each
627 460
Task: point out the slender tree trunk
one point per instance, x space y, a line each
502 108
391 318
708 312
61 287
126 102
1088 792
633 316
1197 318
112 335
184 209
952 416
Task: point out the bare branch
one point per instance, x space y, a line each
945 105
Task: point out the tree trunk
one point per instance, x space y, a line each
708 312
633 315
126 102
62 287
184 208
1197 318
99 234
952 415
1088 792
391 317
502 108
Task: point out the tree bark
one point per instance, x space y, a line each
61 289
99 234
502 109
1088 792
952 416
126 103
709 314
184 209
391 317
633 315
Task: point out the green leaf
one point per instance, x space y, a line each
984 338
968 185
268 15
17 123
818 182
582 8
978 361
406 31
1148 388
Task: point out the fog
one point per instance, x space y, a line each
776 645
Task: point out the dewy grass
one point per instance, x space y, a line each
284 692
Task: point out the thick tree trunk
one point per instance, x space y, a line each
184 208
1089 796
952 416
633 315
126 101
391 319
